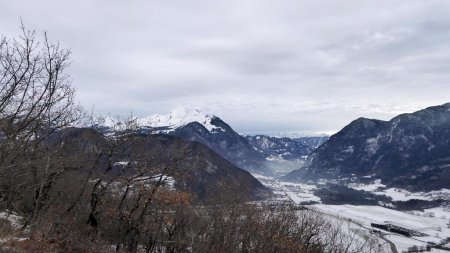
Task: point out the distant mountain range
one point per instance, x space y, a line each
258 154
410 151
284 147
285 154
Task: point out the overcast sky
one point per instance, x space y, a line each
263 66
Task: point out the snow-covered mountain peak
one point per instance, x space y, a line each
177 118
157 123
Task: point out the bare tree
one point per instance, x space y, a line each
36 99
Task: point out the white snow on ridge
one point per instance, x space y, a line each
178 118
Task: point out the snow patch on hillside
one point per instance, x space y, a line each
404 195
373 186
397 194
12 217
297 193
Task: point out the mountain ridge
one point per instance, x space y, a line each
195 126
411 150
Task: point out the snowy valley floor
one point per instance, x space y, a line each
433 223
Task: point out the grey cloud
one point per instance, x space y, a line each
263 66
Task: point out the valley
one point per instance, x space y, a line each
432 223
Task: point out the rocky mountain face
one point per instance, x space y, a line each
410 151
312 142
227 143
193 166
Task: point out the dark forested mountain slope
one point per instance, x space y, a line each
410 151
194 167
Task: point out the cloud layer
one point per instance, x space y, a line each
263 66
